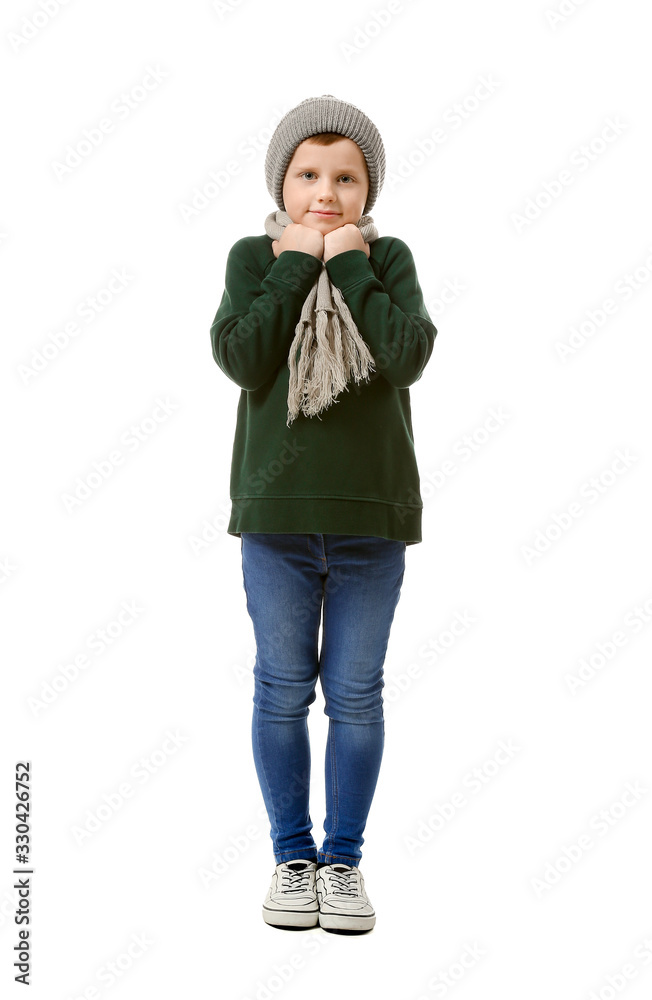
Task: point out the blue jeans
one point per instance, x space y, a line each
286 579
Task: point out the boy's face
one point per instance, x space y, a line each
326 178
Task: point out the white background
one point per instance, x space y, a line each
185 861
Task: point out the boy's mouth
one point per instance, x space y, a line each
325 214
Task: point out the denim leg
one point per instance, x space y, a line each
284 591
361 593
286 578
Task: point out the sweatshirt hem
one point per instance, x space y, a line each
298 515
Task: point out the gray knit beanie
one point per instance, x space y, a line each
324 114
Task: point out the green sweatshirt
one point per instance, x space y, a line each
352 469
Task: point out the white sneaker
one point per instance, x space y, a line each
343 902
292 899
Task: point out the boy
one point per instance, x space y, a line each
325 511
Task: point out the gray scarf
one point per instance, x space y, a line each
332 350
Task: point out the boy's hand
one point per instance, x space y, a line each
345 238
298 237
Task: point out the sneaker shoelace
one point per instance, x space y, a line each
295 881
343 883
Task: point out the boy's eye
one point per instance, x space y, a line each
311 172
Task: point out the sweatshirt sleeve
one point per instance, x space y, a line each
255 323
389 313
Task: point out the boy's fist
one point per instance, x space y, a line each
298 237
345 238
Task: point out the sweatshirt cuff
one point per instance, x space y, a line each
296 268
348 268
